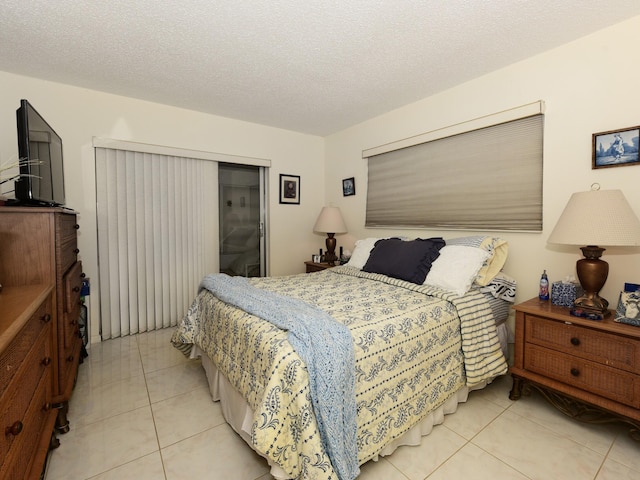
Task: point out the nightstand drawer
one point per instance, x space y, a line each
593 377
317 267
601 347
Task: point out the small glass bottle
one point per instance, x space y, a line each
544 286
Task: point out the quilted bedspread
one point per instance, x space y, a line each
415 346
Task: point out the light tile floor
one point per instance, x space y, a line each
141 410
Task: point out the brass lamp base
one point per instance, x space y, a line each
592 273
595 303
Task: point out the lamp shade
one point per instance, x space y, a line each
597 217
330 221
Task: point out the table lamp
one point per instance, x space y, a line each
330 222
595 218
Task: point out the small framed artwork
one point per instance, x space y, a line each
616 148
290 189
348 187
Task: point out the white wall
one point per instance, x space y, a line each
79 114
590 85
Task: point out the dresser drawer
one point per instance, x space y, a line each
68 361
598 346
593 377
19 457
21 392
66 241
72 282
70 329
13 356
72 285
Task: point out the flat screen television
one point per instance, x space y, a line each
41 179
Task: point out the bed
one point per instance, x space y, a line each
414 349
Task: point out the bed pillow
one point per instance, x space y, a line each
361 252
456 268
503 287
406 260
498 249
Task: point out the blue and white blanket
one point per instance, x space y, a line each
325 346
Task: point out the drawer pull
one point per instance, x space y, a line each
14 429
46 361
575 341
73 322
575 372
76 289
46 318
76 226
76 251
70 358
82 275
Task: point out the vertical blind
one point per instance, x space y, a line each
486 179
157 236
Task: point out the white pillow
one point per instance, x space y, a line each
498 249
456 268
361 252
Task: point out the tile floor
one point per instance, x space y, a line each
142 411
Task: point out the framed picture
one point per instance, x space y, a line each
616 148
628 310
348 187
290 189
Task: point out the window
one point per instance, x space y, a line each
484 178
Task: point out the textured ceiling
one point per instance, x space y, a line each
310 66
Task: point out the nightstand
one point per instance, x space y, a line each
317 267
588 369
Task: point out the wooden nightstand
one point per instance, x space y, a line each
317 267
589 369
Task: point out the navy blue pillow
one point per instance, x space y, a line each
405 260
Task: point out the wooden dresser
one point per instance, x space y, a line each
39 246
589 369
26 378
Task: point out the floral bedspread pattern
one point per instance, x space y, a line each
409 342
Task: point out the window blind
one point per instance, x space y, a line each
157 218
485 179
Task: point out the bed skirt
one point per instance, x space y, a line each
239 415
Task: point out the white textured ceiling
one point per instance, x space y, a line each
310 66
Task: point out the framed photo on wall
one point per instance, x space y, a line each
348 187
290 189
616 148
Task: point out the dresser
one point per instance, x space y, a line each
39 246
589 369
26 378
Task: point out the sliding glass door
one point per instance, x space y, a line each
241 220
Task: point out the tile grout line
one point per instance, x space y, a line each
153 417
